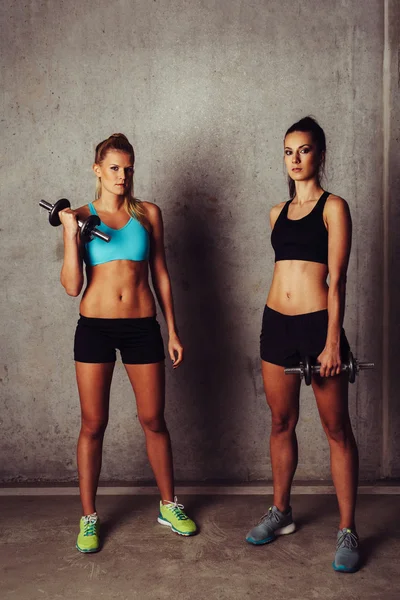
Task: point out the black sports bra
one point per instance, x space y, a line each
301 239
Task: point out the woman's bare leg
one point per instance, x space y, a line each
148 382
282 393
94 381
332 399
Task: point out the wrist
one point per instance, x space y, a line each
332 344
70 236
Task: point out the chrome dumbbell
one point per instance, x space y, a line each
88 227
352 367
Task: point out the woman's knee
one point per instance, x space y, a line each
283 423
93 428
153 424
339 432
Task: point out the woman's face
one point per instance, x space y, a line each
115 172
302 158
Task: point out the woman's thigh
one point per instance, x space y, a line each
148 383
331 394
94 382
282 391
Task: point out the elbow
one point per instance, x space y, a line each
338 282
159 279
72 291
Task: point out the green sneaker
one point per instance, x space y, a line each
172 515
88 538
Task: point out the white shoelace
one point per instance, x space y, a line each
90 524
176 508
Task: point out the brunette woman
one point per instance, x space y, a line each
303 316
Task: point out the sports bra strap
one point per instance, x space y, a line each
321 202
284 211
92 208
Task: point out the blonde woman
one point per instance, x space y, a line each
118 311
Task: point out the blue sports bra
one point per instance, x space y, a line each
131 242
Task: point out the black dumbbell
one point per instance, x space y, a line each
88 227
352 367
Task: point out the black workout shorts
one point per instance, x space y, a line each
139 340
286 340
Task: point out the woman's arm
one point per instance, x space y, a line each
338 222
161 281
72 268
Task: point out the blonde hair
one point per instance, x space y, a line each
120 143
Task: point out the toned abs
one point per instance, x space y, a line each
118 290
298 287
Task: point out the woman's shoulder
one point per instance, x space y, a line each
334 198
152 215
152 210
275 210
336 204
336 212
149 206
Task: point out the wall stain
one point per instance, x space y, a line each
250 369
5 379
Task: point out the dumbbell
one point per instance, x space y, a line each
352 367
87 228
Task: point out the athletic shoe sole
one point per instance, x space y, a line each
164 522
343 569
87 551
291 528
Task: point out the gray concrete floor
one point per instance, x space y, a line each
142 560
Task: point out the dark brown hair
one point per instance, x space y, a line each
310 125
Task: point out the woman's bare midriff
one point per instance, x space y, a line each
298 287
118 290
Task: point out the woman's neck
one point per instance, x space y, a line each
110 202
307 191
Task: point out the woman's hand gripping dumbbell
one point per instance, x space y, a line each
352 367
88 227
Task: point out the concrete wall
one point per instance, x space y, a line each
392 448
205 91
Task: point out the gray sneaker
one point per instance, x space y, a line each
273 523
347 557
